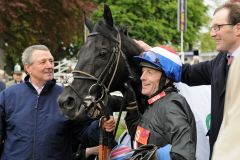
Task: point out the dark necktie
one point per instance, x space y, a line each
229 61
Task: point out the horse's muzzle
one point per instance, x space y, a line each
71 109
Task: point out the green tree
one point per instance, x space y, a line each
155 21
56 24
207 43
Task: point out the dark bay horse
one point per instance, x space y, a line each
105 62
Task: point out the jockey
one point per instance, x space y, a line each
167 120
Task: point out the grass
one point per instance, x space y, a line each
121 129
121 126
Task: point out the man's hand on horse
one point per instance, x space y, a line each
109 124
142 45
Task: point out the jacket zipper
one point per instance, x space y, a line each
35 128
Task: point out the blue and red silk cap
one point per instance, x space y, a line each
162 58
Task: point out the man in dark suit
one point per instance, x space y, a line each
225 30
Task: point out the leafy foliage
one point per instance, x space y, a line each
59 23
155 21
53 23
207 43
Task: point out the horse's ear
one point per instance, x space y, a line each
88 22
108 15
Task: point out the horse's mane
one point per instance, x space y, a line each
129 48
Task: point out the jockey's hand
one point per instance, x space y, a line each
142 45
91 151
109 124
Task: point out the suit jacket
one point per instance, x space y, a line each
227 144
212 73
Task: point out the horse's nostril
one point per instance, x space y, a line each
68 103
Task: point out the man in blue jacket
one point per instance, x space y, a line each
31 124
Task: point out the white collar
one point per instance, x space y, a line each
236 52
38 89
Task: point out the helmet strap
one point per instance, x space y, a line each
162 84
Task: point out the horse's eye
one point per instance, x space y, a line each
103 52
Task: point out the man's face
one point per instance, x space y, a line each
17 77
225 37
42 68
150 81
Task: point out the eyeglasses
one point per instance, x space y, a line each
217 27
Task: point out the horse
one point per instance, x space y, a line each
105 63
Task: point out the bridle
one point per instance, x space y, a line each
95 107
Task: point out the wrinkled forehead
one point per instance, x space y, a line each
39 55
153 73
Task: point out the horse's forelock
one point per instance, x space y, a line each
129 47
105 29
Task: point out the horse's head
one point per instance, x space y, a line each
102 67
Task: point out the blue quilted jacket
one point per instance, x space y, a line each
32 125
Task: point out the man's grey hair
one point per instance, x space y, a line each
27 53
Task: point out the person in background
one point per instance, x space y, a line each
17 76
195 60
31 123
168 119
228 142
225 30
2 83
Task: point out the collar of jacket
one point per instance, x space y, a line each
168 88
50 84
161 94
